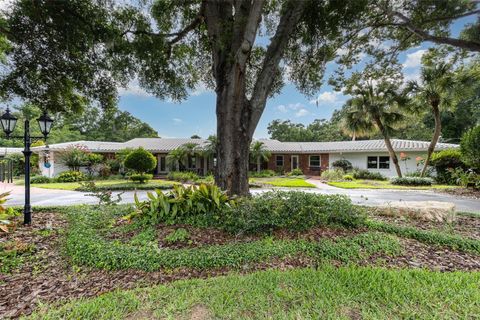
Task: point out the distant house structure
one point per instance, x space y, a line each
311 157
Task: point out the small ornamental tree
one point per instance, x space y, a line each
470 148
140 160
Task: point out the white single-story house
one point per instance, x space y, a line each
311 157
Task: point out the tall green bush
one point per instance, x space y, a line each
444 162
140 160
470 148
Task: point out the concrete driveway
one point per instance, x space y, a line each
371 197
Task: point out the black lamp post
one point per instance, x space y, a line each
8 122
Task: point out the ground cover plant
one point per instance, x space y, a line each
84 251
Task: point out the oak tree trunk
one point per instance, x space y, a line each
435 137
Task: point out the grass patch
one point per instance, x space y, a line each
326 293
86 245
283 182
110 185
430 237
377 184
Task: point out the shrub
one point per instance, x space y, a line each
74 157
140 160
186 176
199 204
367 175
411 181
295 211
296 172
332 175
348 177
40 179
466 179
470 148
343 164
105 197
262 174
141 177
445 160
71 176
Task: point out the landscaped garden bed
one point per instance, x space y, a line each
115 184
86 251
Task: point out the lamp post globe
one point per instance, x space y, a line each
8 121
45 124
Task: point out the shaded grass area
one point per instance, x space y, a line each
283 182
110 185
86 244
327 293
376 184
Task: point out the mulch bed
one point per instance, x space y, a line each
466 226
49 277
462 192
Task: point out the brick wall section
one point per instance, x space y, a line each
303 160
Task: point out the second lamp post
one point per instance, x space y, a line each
8 122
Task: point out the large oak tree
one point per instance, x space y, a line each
70 53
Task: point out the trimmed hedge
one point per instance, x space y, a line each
71 176
367 175
411 181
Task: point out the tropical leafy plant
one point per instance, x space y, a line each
259 153
6 214
74 157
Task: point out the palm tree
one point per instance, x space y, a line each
208 151
176 157
258 152
353 123
379 107
435 89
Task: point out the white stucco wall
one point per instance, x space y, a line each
359 160
55 167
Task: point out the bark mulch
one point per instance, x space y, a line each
49 277
465 226
462 192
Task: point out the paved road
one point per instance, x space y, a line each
48 197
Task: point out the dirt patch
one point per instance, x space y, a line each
200 312
198 237
466 226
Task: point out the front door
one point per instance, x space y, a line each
162 164
294 162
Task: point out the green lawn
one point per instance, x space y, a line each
376 184
283 182
327 293
110 184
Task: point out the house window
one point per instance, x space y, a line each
279 161
314 161
378 162
372 162
384 162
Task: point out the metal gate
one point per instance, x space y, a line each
6 170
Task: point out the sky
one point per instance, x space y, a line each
196 114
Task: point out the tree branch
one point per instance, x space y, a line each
464 44
263 85
250 32
196 22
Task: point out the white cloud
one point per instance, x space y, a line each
133 89
328 97
282 108
200 89
414 59
302 112
177 120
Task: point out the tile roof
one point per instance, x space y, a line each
274 146
351 146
